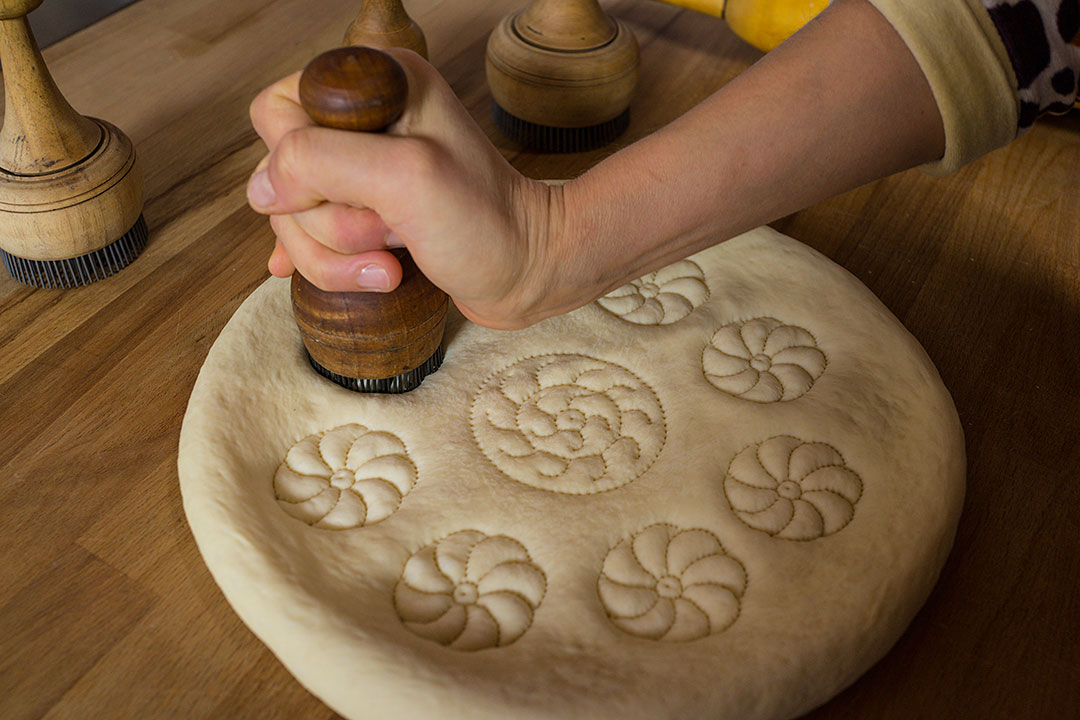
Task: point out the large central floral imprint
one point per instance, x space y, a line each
568 423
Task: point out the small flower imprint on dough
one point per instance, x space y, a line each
792 489
568 423
344 478
470 591
762 360
669 584
659 298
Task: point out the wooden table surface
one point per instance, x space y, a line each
106 609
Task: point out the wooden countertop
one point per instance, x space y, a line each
106 609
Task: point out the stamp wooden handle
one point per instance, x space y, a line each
69 184
365 335
562 64
385 24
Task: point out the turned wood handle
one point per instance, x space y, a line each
385 24
69 185
364 334
42 134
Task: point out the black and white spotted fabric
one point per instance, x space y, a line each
1036 34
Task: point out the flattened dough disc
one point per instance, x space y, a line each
721 491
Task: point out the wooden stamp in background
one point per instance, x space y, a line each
384 24
70 189
562 74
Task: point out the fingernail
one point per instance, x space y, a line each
393 241
373 277
260 191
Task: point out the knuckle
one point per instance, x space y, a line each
290 155
257 109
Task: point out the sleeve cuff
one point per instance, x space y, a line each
968 68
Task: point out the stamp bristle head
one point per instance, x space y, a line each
406 381
544 138
80 270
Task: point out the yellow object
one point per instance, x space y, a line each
762 23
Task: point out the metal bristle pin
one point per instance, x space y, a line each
546 138
71 191
562 74
403 383
83 269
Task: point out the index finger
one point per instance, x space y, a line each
276 111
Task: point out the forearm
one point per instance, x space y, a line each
840 104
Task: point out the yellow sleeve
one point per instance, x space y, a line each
961 54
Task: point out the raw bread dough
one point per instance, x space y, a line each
721 491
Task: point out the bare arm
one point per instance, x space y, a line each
840 104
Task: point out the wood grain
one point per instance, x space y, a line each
371 336
562 63
106 609
42 132
385 24
356 89
69 184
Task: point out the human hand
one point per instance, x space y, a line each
432 182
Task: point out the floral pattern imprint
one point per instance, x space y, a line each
792 489
659 298
568 423
669 584
763 360
470 591
344 478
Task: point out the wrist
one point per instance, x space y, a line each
546 284
577 258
